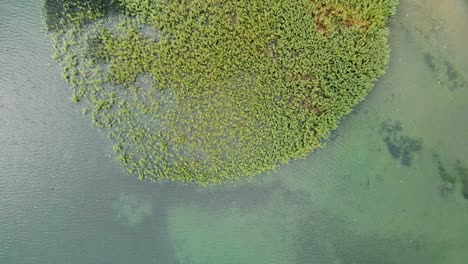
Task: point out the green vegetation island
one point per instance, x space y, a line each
213 91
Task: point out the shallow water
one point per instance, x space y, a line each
364 198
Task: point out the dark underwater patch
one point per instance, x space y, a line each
463 175
448 179
429 60
444 72
451 177
401 147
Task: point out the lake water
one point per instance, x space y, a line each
386 188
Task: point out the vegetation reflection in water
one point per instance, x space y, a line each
213 91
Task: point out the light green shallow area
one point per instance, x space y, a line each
63 198
231 236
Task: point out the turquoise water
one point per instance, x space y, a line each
385 188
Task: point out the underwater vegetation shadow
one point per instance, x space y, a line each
400 146
452 176
463 175
449 180
444 72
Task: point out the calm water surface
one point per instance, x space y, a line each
381 191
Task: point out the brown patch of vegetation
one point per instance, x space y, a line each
306 102
270 50
233 17
306 77
361 24
326 16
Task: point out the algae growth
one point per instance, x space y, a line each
452 177
214 91
400 146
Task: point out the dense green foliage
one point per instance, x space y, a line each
209 91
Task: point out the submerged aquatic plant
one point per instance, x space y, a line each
445 72
209 91
450 180
463 175
401 147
